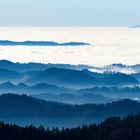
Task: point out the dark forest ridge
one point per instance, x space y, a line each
111 129
39 43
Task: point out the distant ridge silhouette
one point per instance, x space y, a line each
40 43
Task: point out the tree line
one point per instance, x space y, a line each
114 128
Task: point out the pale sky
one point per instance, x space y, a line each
69 12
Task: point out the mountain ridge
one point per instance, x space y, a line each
29 110
40 43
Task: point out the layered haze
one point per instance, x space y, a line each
108 45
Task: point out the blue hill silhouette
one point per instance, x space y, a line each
40 43
80 79
25 109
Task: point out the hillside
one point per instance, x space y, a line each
9 75
80 79
8 87
25 110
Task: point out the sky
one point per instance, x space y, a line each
69 12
